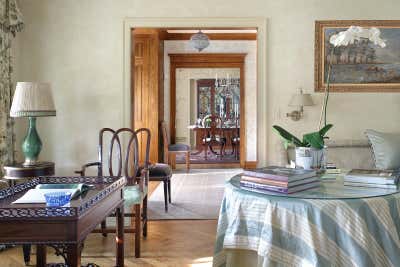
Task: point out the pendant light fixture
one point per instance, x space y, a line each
199 41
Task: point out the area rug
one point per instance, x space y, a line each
211 158
195 196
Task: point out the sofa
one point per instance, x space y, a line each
346 154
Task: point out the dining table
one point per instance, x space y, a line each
331 225
227 131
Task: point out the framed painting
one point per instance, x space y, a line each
358 67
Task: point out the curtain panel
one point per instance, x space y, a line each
10 24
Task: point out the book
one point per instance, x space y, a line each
372 176
329 177
276 189
333 171
330 165
280 173
278 183
371 185
36 195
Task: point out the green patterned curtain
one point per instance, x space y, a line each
10 24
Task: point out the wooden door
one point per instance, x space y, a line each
147 89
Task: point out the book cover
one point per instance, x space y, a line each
277 189
280 173
371 185
372 176
267 181
373 173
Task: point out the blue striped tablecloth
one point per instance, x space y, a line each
322 227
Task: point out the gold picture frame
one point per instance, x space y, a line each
367 69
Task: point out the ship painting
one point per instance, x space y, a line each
363 62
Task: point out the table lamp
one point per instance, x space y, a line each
32 99
299 100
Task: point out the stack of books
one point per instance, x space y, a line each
387 179
331 173
278 180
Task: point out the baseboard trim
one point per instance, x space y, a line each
250 164
226 165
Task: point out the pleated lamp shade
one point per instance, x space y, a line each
301 100
32 99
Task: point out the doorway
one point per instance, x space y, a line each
204 85
250 154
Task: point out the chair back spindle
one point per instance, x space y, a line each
129 164
213 128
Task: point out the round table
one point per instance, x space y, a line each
333 225
18 171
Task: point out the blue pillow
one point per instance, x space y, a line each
386 149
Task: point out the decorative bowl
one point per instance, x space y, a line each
57 199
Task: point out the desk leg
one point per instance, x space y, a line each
74 255
41 255
119 240
26 248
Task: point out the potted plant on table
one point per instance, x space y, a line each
309 150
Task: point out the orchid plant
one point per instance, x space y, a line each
344 38
314 139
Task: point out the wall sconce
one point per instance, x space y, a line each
299 100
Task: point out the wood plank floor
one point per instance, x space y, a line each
169 243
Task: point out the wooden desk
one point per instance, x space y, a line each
65 227
15 172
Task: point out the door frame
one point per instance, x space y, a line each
209 60
260 23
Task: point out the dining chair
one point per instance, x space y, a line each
213 135
135 193
235 138
171 150
160 172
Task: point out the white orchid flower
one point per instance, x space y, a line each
353 33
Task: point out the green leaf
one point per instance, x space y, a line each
315 140
325 129
288 137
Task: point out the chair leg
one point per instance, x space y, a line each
169 190
26 248
187 161
144 211
137 230
103 228
165 195
172 158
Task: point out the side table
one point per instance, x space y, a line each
18 171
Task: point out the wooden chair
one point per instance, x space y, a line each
135 193
213 134
162 173
235 139
171 150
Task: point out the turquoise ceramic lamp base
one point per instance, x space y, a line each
32 144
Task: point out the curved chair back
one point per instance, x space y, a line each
236 132
129 164
165 140
144 135
213 128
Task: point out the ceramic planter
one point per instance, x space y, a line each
315 157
